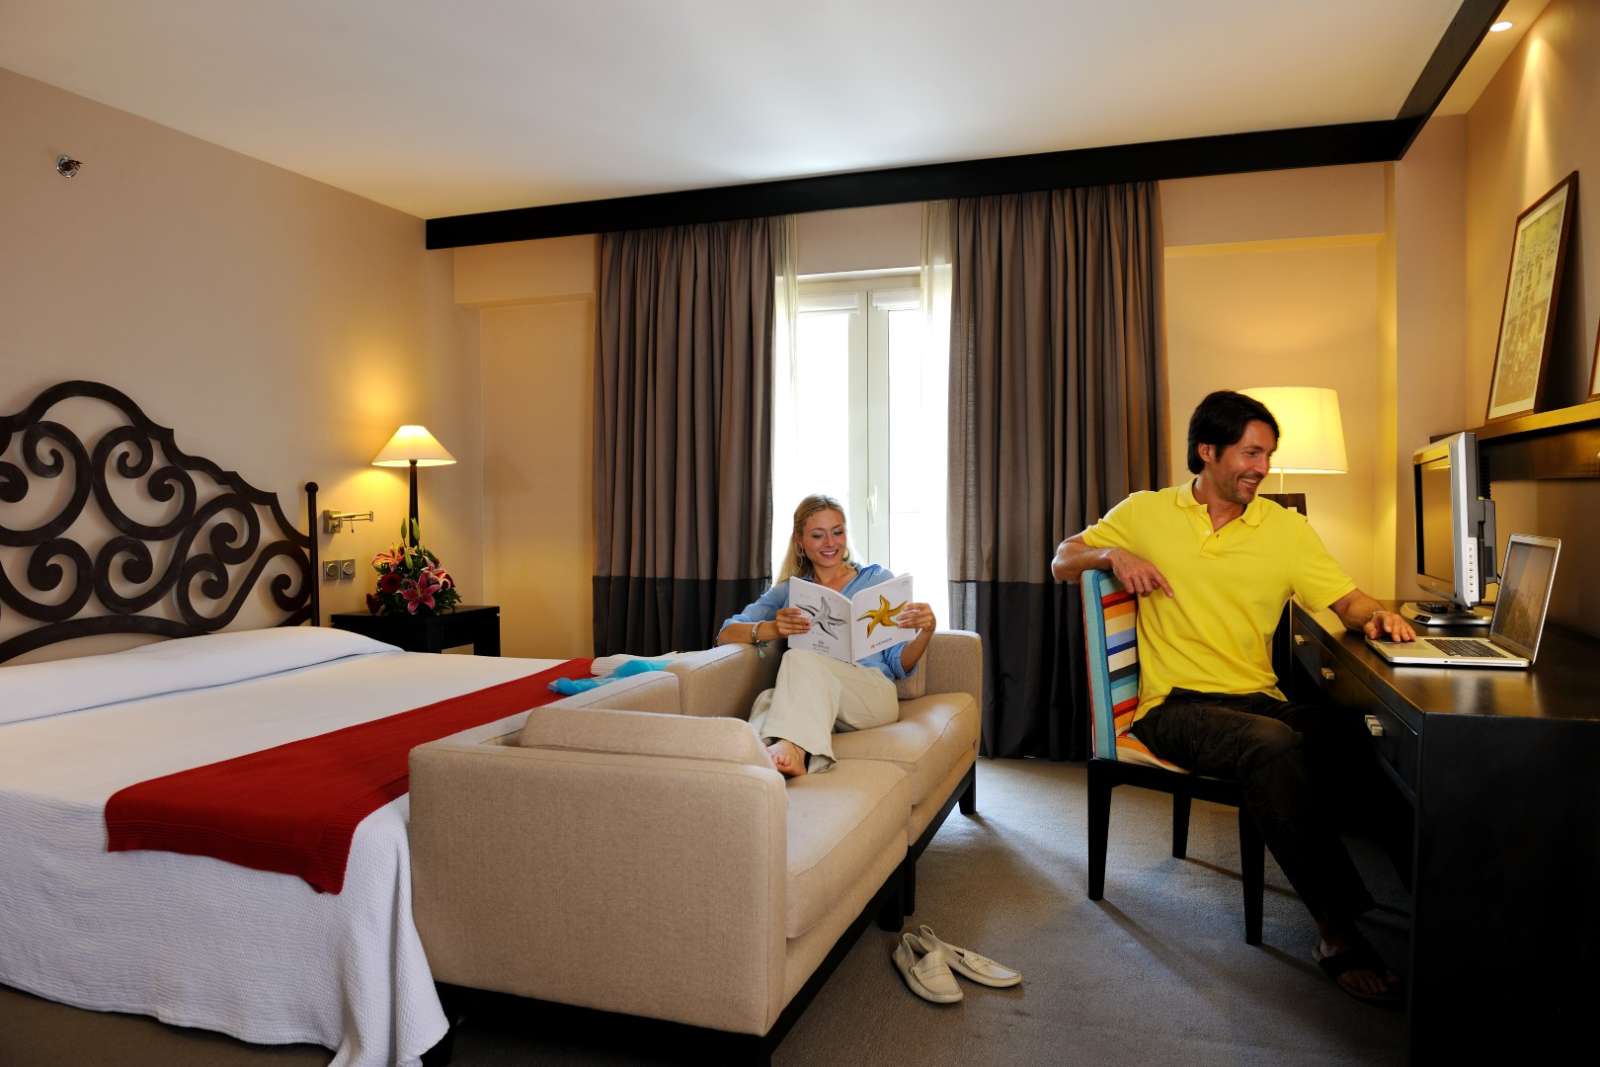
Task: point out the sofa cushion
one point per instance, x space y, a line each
932 735
643 733
839 822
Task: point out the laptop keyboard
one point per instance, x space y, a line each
1465 646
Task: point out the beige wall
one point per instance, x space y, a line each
1273 279
1428 243
282 327
535 300
1533 125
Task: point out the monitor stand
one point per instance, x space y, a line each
1444 613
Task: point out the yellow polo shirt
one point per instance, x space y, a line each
1229 587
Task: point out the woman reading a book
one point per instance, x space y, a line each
816 694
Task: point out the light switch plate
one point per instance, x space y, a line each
347 568
330 570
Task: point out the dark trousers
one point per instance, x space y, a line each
1305 771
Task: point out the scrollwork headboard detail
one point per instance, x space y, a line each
207 537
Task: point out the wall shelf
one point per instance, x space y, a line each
1563 443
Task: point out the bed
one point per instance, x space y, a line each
191 940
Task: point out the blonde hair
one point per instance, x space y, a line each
796 563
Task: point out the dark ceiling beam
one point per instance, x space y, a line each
1461 38
1192 157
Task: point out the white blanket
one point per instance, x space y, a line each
191 940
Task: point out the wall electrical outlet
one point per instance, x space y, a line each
347 568
330 570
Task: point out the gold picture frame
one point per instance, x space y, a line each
1527 316
1594 369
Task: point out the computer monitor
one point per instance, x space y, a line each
1455 533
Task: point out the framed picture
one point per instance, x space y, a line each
1527 319
1594 369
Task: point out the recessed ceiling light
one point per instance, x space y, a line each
1501 27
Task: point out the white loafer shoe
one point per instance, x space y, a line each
967 963
926 973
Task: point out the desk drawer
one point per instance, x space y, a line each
1395 742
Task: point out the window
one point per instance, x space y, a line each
861 415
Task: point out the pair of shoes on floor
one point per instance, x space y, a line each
930 965
1358 956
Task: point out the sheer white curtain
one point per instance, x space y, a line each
787 471
930 478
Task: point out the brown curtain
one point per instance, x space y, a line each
1057 411
683 431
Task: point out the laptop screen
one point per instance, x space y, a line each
1524 595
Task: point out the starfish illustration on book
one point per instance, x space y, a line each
882 615
824 618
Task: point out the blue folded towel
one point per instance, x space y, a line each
571 686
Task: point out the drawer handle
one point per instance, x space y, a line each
1299 639
1327 674
1374 726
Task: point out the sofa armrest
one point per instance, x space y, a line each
724 681
646 885
954 662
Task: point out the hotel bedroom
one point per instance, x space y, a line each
284 232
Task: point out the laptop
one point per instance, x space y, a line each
1518 623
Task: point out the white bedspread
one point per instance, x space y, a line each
199 942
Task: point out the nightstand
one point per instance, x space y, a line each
477 625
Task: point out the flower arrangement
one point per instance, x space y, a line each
410 578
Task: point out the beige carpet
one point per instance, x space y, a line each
1157 973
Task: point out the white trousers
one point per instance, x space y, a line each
817 696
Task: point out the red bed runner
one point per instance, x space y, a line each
294 808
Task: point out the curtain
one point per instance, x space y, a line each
1057 411
683 431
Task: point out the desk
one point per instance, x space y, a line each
1503 771
477 625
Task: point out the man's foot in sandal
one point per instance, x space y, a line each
788 758
1356 968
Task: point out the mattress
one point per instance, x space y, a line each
191 940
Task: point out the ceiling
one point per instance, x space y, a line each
443 109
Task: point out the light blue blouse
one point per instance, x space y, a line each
886 661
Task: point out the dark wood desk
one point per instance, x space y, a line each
477 625
1503 771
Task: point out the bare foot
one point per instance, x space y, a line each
788 758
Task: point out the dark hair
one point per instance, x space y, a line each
1220 421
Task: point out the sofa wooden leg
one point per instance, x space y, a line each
891 900
1099 828
908 887
969 795
1180 825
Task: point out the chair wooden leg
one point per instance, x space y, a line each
1180 825
1100 786
1252 863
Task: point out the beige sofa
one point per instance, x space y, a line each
615 858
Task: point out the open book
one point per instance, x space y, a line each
853 628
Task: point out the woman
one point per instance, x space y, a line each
817 695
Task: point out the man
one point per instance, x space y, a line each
1213 566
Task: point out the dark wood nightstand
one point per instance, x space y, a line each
477 625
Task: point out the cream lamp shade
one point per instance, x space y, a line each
1310 432
413 444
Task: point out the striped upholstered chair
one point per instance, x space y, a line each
1119 758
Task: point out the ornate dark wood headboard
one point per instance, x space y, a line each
207 536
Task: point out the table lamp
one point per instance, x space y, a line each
1311 434
413 446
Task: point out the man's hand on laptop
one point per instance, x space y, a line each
1137 575
1389 626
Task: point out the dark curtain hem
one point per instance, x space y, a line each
649 616
1035 695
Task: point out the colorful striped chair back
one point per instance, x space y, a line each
1110 630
